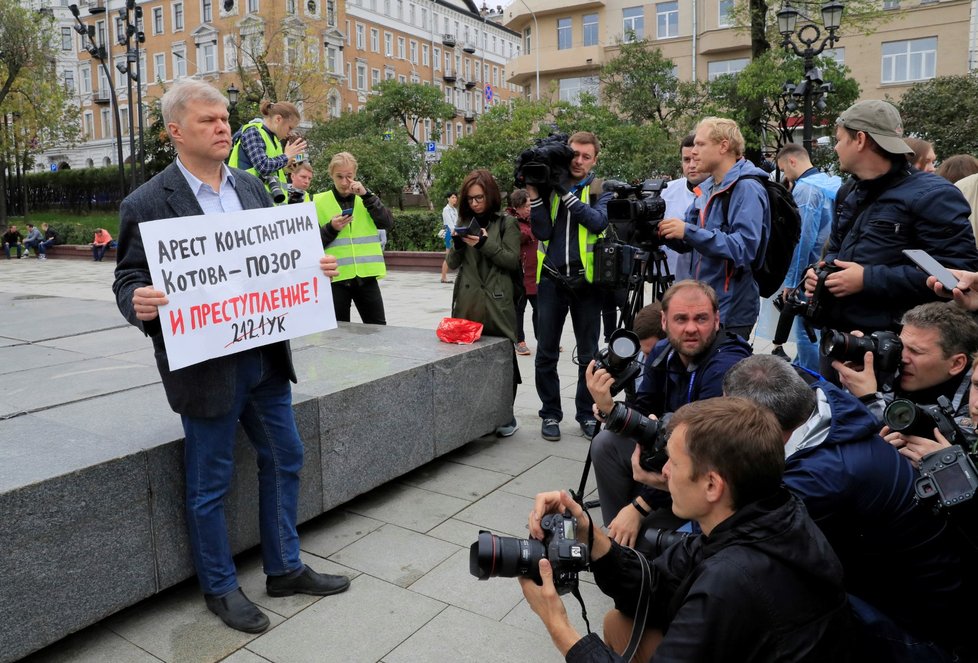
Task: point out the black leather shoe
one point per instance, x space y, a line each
306 581
589 427
237 611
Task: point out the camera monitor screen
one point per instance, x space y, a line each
952 482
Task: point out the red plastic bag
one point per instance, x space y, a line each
459 330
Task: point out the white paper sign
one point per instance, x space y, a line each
237 281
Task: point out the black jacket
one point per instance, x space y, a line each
763 586
877 220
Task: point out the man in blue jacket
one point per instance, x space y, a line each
687 366
726 247
892 207
902 568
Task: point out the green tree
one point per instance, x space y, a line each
385 165
407 106
943 111
640 84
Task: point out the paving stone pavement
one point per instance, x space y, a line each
404 544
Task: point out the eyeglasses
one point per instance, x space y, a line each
477 198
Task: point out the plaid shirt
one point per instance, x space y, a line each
254 149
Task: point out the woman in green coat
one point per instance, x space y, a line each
488 261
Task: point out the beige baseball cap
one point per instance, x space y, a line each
881 120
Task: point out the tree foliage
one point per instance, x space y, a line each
640 84
385 165
943 111
407 105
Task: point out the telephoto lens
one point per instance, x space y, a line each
650 434
846 347
275 189
505 557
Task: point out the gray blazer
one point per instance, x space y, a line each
205 389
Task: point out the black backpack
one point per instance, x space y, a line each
769 271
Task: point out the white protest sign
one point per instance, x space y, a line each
237 281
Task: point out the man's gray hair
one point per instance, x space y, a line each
772 382
184 92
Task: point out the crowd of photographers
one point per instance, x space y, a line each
755 509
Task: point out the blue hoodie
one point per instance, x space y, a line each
897 554
725 260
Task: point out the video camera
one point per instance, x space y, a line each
650 434
506 557
618 358
296 196
635 212
814 311
546 164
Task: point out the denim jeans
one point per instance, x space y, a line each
38 247
553 304
263 405
520 312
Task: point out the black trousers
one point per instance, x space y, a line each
365 293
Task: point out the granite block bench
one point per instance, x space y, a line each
91 480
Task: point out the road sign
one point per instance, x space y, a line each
488 92
430 146
54 167
389 135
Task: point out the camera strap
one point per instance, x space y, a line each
641 607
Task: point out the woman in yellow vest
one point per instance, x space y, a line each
260 146
349 219
487 257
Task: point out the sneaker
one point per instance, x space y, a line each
778 351
521 348
590 427
550 430
25 256
42 257
508 429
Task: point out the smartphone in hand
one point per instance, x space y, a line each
933 268
347 212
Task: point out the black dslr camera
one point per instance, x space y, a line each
909 418
505 557
654 541
650 434
814 311
948 474
618 358
546 164
886 347
275 189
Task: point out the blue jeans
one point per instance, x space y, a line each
808 353
38 247
263 404
553 304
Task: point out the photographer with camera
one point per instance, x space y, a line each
721 595
301 178
350 217
261 146
890 208
567 224
938 340
900 560
687 366
727 237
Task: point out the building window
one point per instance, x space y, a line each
909 60
837 54
331 13
208 58
375 40
725 15
252 6
179 62
722 67
571 88
388 44
374 78
590 29
89 126
207 10
157 20
124 120
389 74
436 58
527 33
69 78
100 31
85 78
425 57
633 23
177 16
891 4
360 40
667 20
361 76
564 36
106 123
331 60
400 48
66 39
290 7
159 67
413 51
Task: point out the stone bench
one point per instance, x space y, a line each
91 479
77 252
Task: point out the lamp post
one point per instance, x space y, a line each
233 107
811 86
132 17
100 54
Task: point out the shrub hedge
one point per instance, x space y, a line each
415 230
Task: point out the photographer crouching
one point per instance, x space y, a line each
721 595
557 174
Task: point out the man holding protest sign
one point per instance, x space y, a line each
213 395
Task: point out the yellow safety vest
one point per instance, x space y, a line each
585 239
272 149
357 247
